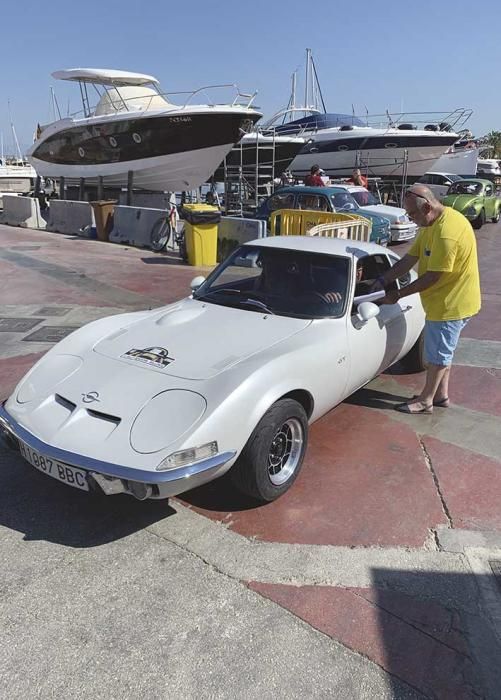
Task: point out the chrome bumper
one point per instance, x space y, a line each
403 232
164 483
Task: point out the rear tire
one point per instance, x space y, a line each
272 457
479 221
414 360
160 234
495 219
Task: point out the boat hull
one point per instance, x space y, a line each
165 152
379 154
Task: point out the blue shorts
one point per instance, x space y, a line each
441 339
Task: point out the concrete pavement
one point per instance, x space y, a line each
372 578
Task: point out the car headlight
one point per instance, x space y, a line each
471 211
188 456
402 219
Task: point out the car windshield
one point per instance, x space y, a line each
343 201
465 187
365 198
279 281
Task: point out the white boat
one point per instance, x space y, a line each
340 143
386 146
457 162
136 128
16 177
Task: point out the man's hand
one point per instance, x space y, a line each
332 297
392 296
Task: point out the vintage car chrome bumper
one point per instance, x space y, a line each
114 478
403 232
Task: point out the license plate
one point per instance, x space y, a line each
62 472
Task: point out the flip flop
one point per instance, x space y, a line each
404 408
441 403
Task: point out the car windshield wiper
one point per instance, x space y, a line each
256 302
240 293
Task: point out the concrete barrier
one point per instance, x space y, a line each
135 225
22 211
233 231
149 200
69 217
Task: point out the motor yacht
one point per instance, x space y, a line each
136 128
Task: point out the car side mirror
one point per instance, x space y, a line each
367 310
197 282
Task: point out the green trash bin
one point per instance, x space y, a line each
200 233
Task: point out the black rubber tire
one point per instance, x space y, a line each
479 221
414 360
160 234
495 219
250 474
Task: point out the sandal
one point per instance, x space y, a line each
441 403
405 408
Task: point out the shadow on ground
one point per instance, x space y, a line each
44 509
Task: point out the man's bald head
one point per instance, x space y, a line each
422 205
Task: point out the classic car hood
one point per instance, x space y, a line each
458 201
391 213
196 340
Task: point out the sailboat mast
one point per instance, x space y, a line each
307 79
14 135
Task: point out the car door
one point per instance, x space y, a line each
489 202
379 342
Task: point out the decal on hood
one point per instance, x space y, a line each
157 357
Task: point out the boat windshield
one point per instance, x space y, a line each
365 198
278 281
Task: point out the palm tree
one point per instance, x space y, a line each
493 140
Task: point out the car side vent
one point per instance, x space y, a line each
69 405
104 416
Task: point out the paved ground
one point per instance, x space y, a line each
372 578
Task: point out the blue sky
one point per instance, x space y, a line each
422 56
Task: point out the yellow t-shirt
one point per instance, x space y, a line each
449 246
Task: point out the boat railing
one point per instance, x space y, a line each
443 120
119 103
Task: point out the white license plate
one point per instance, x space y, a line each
62 472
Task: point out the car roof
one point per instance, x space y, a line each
320 244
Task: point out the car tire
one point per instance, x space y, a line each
273 455
495 219
479 221
414 360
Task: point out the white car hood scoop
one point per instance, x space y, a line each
197 340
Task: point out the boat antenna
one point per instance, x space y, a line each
1 140
317 83
55 105
307 79
366 115
14 135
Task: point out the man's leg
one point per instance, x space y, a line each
440 341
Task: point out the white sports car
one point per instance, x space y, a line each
157 402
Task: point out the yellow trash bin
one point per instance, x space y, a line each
200 233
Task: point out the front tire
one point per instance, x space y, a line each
479 221
414 360
272 457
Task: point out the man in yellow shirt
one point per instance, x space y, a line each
449 285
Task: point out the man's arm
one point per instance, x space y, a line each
424 282
398 270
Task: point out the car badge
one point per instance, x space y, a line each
90 397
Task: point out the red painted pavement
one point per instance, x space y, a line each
470 484
419 641
364 482
12 369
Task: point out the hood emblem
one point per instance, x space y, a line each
156 357
90 397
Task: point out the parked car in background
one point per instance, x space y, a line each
488 166
402 228
475 199
439 183
324 199
154 403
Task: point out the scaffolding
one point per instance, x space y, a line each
249 172
390 190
